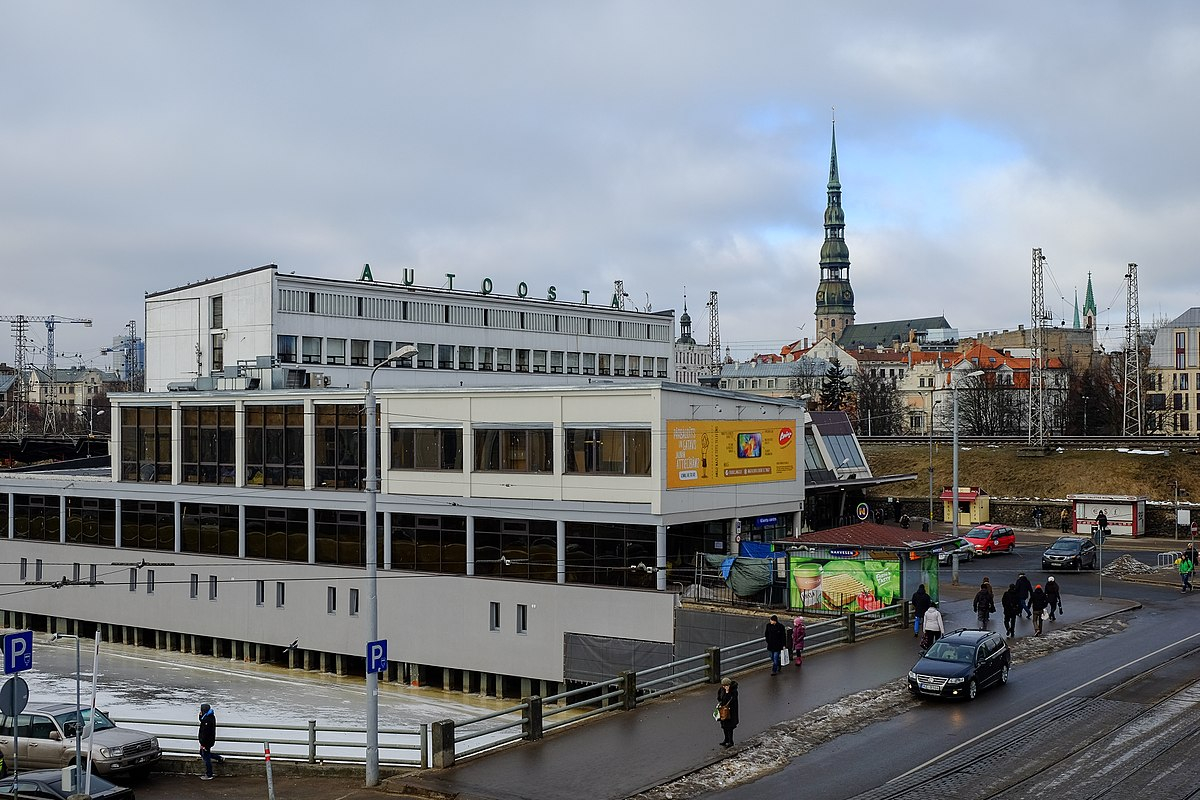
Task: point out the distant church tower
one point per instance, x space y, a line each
1089 313
835 298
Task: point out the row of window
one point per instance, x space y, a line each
364 353
424 311
275 454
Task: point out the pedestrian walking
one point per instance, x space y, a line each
934 626
921 601
1102 523
776 641
798 641
983 604
1190 554
1024 589
1053 596
1063 520
727 709
1185 573
1012 609
1037 516
1037 601
208 739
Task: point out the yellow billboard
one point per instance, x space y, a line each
718 453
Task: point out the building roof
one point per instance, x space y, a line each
7 382
870 335
869 535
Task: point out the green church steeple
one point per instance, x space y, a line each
835 297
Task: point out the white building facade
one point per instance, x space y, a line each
517 519
263 328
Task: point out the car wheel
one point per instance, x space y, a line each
1012 547
972 689
1004 675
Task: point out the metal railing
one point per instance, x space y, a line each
440 744
453 740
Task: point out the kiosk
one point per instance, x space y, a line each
1126 514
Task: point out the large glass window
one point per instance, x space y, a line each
445 356
539 361
277 533
424 355
311 349
335 351
340 538
485 359
358 352
427 448
341 448
608 451
514 450
208 445
525 549
209 528
285 349
35 517
379 352
146 444
275 445
605 364
148 525
90 520
603 554
466 357
522 360
429 543
504 359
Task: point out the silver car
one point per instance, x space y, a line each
46 736
965 550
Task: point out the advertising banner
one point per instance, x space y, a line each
841 584
720 453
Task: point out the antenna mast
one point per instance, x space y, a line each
714 334
1037 341
1132 425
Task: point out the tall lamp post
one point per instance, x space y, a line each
931 407
954 393
372 488
78 713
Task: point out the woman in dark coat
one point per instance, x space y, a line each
727 697
1037 602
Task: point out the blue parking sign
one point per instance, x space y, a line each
18 652
377 656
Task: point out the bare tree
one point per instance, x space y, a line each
880 412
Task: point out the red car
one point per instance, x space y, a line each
990 539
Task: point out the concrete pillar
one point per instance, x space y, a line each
62 519
116 520
241 509
312 519
470 545
560 547
340 660
441 736
526 687
178 516
660 556
218 648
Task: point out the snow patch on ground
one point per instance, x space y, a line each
772 750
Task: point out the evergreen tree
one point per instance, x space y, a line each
835 389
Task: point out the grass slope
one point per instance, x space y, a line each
1003 472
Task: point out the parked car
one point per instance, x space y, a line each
960 664
48 783
990 539
965 550
1070 552
46 732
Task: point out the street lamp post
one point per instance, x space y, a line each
954 393
931 407
78 712
372 524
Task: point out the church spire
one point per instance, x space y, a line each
835 298
1089 302
1076 308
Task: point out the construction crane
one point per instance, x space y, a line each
20 327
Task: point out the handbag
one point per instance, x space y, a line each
784 657
722 713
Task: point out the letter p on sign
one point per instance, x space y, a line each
18 652
377 656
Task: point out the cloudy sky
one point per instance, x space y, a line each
679 146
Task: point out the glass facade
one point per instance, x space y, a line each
208 445
608 451
209 528
91 520
427 448
429 543
36 517
148 525
514 450
523 549
146 444
277 533
340 538
275 445
341 448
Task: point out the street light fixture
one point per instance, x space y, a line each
954 393
372 524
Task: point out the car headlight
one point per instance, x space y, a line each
154 743
956 680
912 676
110 752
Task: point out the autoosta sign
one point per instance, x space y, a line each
486 285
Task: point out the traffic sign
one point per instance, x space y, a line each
377 656
18 652
14 694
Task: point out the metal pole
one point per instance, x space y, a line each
78 719
372 590
954 497
931 457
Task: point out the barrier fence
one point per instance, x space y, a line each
440 744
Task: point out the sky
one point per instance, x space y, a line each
679 146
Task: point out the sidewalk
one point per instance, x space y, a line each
619 754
